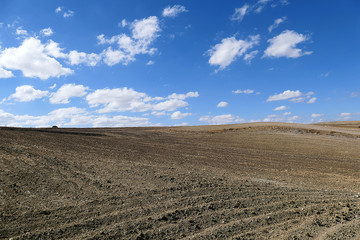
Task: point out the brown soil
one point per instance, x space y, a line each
246 181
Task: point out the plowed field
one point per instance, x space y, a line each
245 181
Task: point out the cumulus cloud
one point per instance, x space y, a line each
281 108
222 104
317 115
276 23
150 63
173 11
66 92
120 121
5 73
123 23
246 91
284 45
348 115
285 117
293 118
27 93
33 59
127 99
143 34
240 13
57 117
288 94
224 53
47 32
73 57
221 119
179 115
20 31
71 117
90 59
293 96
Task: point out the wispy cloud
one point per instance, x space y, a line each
276 23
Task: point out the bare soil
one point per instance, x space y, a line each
245 181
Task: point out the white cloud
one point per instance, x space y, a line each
127 99
325 74
58 9
288 94
293 118
173 11
145 29
169 105
157 114
280 108
112 57
246 91
33 59
348 116
66 92
27 93
276 23
52 49
284 45
143 34
47 32
222 104
240 13
5 73
68 14
183 96
123 23
120 121
293 96
90 59
221 119
150 63
179 115
53 86
224 53
182 124
250 56
259 6
312 100
70 117
57 117
280 118
352 95
317 115
345 114
20 31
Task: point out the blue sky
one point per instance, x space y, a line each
160 63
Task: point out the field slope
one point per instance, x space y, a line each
244 181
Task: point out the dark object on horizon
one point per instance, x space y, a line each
55 127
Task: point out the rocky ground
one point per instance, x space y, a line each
246 181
